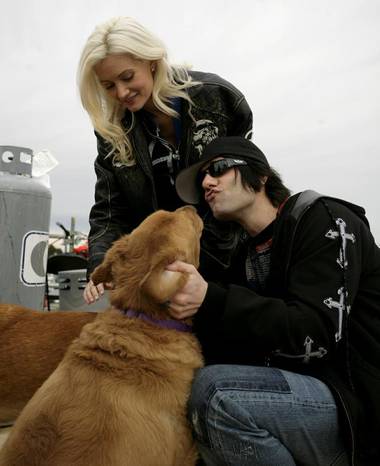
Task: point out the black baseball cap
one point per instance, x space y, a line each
236 147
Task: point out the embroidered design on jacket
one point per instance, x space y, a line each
343 263
205 131
341 306
333 234
308 343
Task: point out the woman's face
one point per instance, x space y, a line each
128 80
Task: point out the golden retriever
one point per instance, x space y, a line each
32 343
118 398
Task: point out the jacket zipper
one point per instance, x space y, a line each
224 266
187 122
349 423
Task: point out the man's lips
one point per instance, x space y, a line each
210 195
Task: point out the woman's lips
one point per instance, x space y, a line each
130 100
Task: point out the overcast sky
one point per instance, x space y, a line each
310 71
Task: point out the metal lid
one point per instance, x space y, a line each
16 160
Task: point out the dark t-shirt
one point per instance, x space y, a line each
257 263
255 254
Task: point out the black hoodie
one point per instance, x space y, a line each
319 314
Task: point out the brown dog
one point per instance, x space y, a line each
119 396
32 343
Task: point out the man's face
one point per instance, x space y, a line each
225 194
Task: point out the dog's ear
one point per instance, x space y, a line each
162 284
103 272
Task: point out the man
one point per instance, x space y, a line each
291 328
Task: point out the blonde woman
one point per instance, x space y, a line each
151 120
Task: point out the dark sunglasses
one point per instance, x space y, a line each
219 167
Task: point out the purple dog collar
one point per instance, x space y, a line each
169 323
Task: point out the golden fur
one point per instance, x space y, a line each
118 398
32 343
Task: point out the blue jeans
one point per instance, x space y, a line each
245 415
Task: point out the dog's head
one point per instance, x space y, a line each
136 263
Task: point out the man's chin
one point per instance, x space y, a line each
221 215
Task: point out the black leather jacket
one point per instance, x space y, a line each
125 196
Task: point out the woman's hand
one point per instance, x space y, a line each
186 302
93 292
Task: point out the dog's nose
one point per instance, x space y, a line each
188 208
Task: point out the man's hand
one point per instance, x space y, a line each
186 302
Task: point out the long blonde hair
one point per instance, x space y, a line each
124 35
